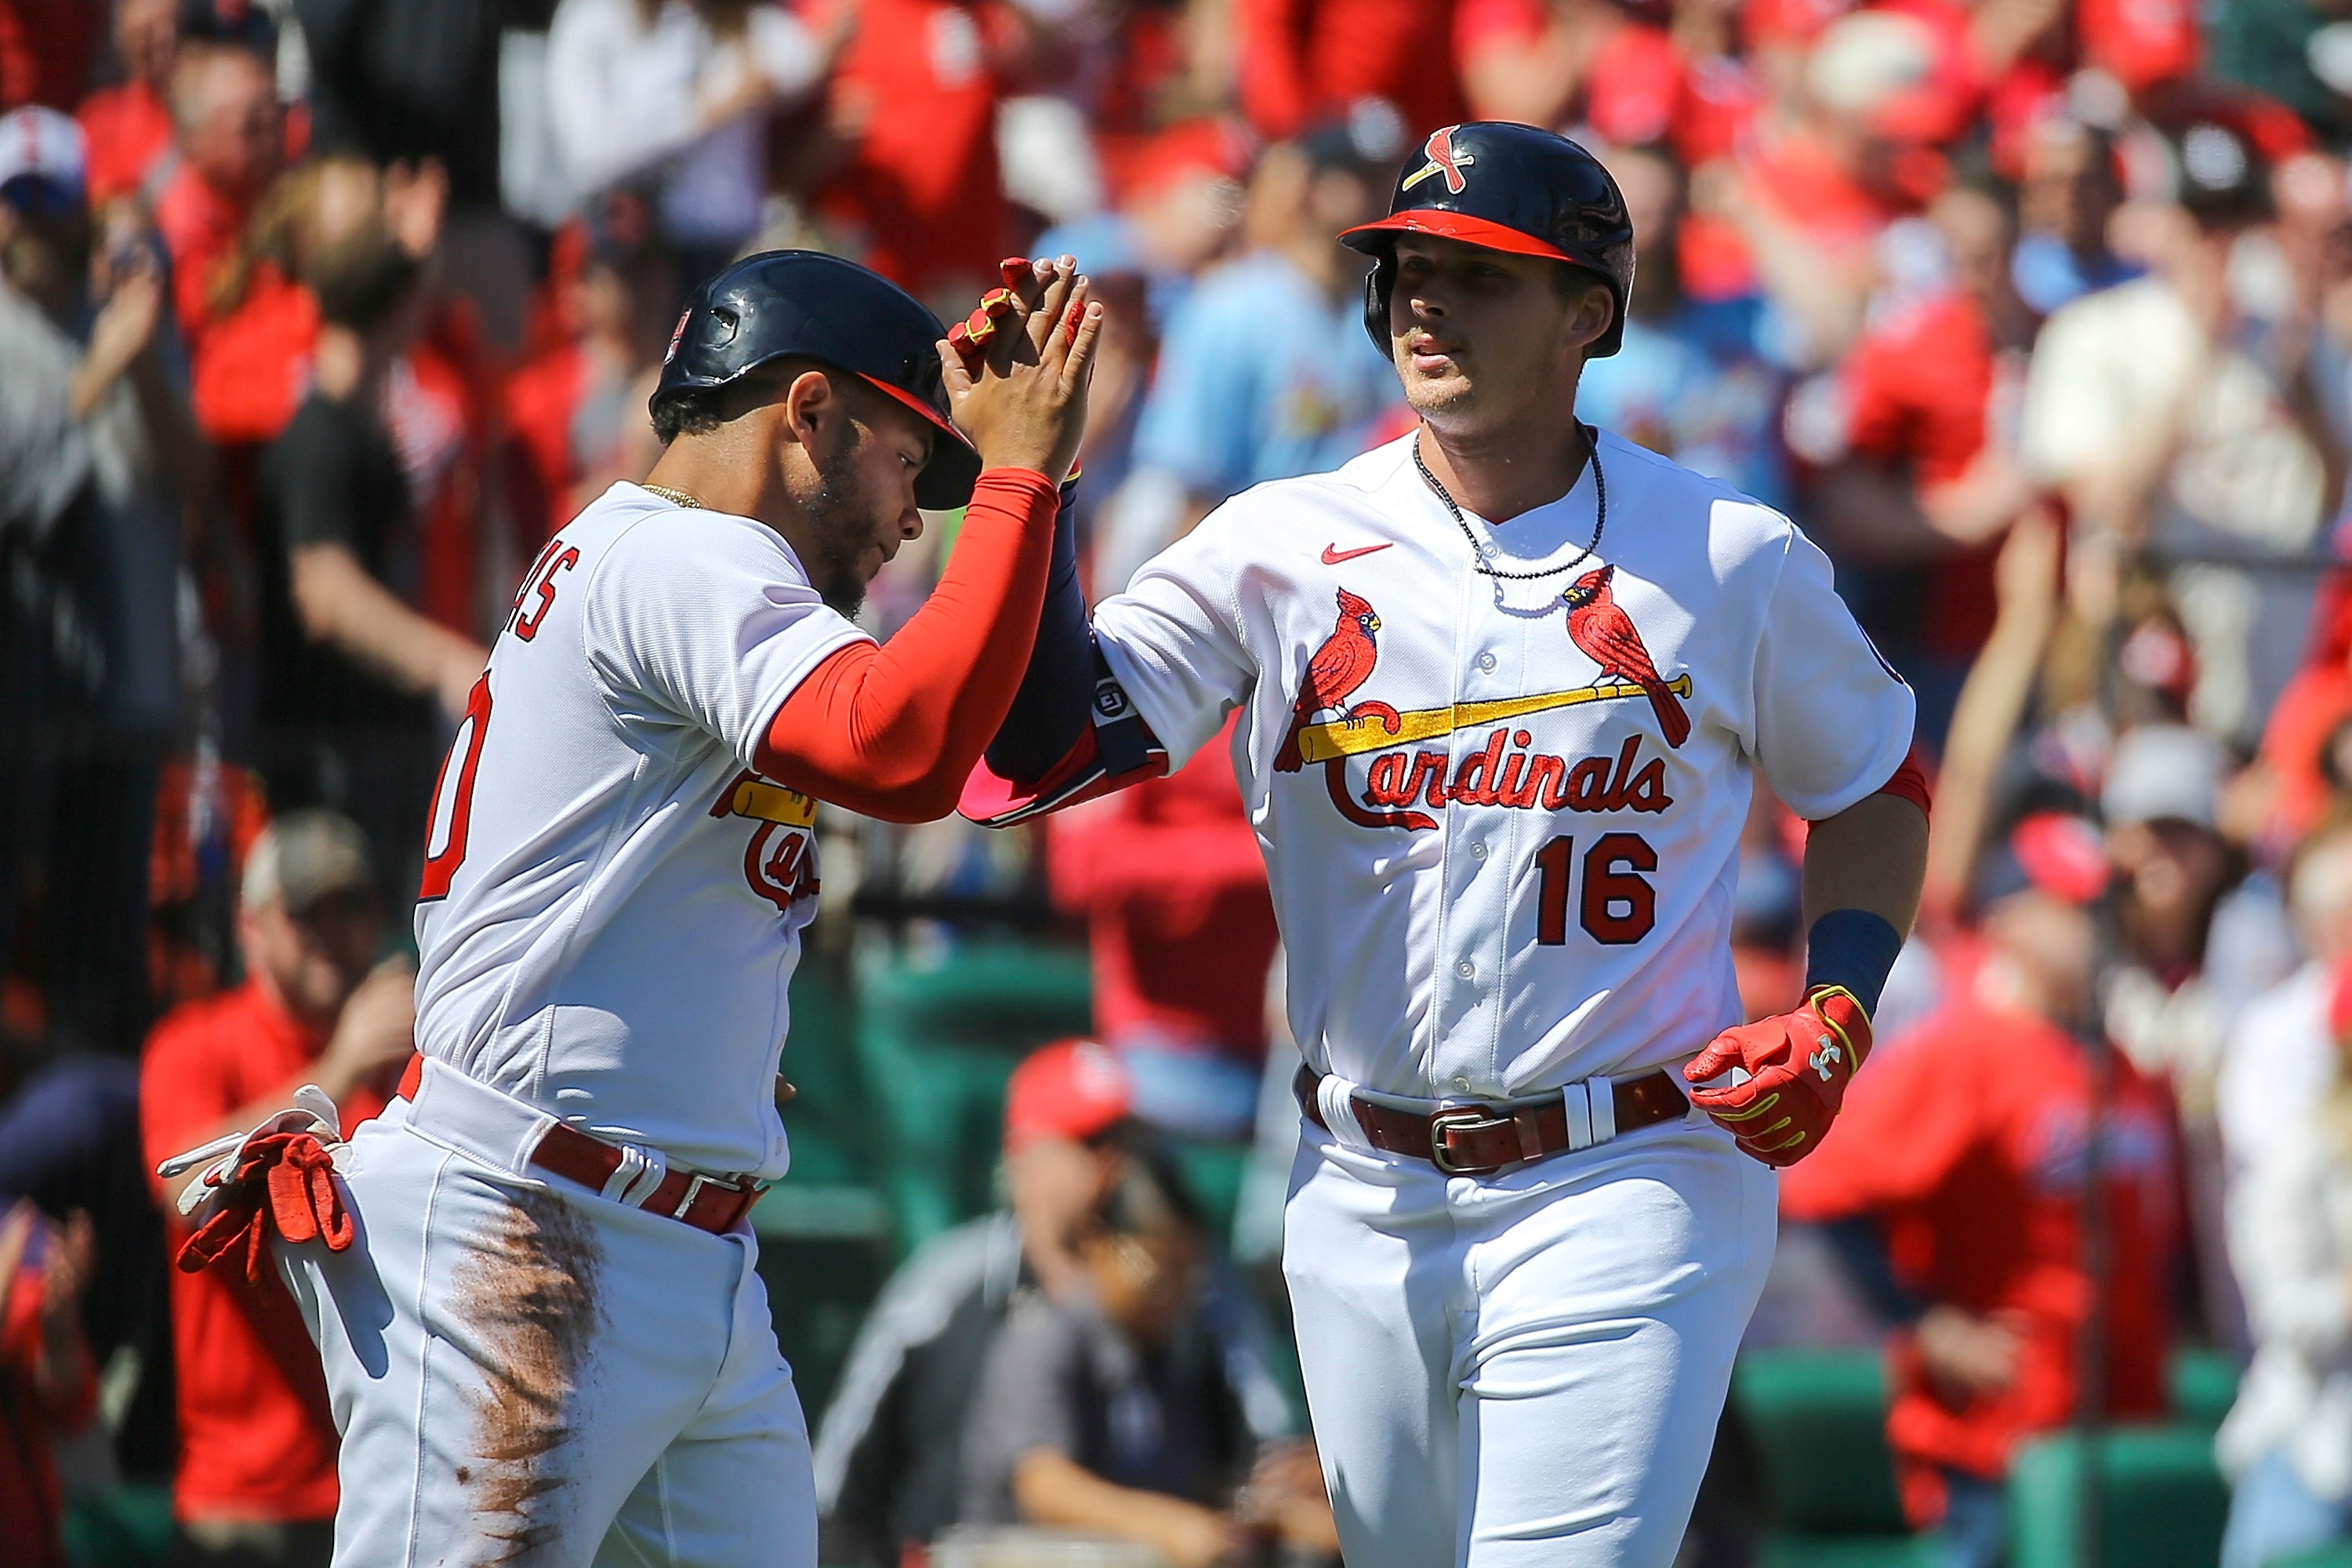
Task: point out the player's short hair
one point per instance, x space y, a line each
700 413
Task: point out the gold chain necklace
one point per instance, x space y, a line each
675 498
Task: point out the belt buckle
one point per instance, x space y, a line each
1468 1119
693 1190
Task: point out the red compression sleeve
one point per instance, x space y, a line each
892 731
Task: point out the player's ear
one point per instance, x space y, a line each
812 407
1589 322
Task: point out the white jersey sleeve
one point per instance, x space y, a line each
707 620
1831 721
1179 638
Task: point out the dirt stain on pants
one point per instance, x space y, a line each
530 1292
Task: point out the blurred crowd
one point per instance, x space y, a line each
317 317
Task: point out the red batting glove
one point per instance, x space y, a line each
284 1180
1798 1066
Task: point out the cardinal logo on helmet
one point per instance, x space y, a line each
1442 159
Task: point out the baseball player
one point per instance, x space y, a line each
1501 687
532 1284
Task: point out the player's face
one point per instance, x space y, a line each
1478 335
861 506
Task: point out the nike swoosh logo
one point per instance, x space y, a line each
1333 555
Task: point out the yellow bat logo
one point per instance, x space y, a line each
1354 737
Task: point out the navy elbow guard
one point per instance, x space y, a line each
1855 948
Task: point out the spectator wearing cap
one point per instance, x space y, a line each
575 409
230 142
2163 432
1265 372
889 1452
96 448
351 670
1170 882
128 125
1106 1409
257 1476
1972 1206
2198 941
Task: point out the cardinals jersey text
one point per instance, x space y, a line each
1516 869
613 898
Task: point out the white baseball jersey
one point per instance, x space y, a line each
1502 831
613 898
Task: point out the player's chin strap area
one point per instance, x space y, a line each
1482 1140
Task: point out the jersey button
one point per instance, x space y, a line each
1468 970
1478 851
1486 662
1462 1081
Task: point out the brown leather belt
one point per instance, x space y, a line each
1480 1140
714 1203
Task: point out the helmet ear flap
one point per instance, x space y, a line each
1378 282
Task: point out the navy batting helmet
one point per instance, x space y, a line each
819 306
1503 187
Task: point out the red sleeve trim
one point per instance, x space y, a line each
1910 782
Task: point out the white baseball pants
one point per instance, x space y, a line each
1525 1369
525 1373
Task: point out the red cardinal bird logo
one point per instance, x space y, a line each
1606 634
1342 664
1442 159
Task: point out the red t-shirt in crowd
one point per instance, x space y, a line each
31 1502
251 367
541 398
923 184
1633 87
1916 386
1968 1138
127 129
256 1438
200 228
1304 61
1170 879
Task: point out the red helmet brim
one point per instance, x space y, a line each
1484 232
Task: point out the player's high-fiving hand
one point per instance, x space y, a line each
1018 368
